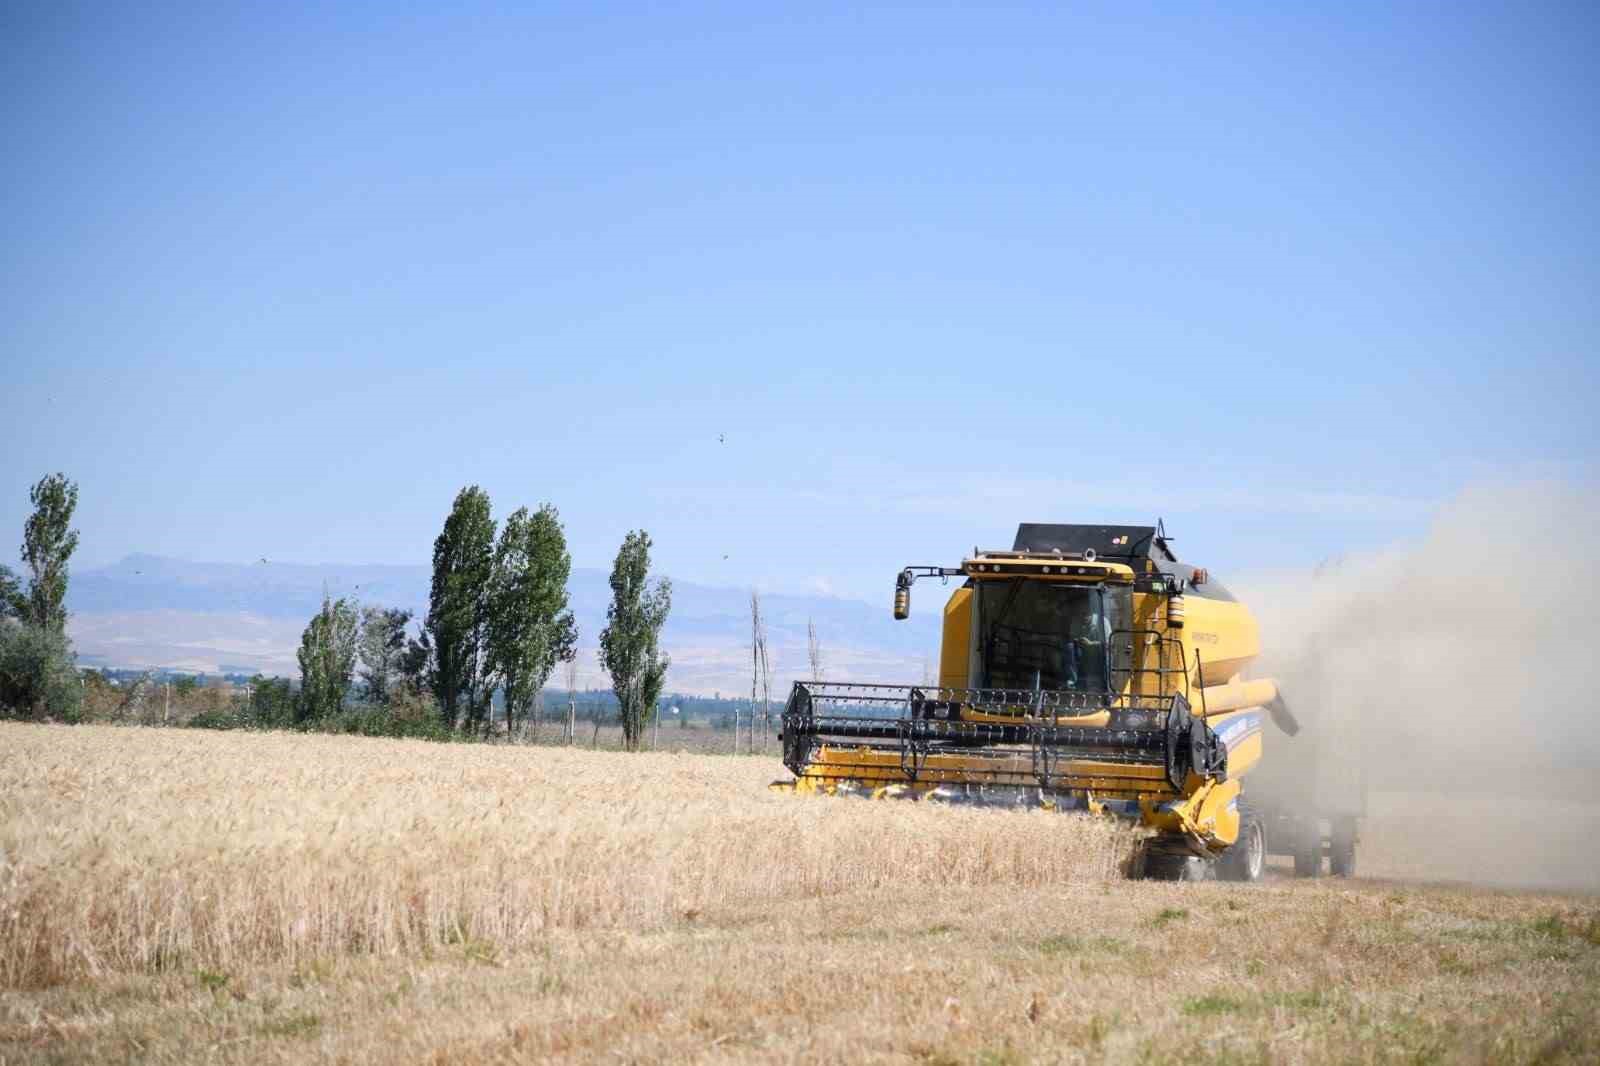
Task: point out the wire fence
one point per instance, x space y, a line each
743 733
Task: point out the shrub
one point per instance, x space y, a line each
377 720
38 678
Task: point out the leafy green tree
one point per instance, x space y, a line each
13 602
530 628
272 701
382 646
47 544
417 666
463 559
327 660
630 644
37 673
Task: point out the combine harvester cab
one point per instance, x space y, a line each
1084 669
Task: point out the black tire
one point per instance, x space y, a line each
1246 859
1342 848
1165 862
1308 848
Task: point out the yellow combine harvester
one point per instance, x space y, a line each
1084 669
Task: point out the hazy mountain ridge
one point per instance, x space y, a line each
149 610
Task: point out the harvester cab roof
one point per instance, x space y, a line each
1145 550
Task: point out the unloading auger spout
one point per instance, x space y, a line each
1086 668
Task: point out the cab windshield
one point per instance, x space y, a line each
1047 635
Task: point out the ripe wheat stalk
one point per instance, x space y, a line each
131 850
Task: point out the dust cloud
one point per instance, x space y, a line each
1457 675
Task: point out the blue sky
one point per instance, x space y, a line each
277 283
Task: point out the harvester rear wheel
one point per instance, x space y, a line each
1342 848
1246 859
1308 848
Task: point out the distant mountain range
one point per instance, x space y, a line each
153 611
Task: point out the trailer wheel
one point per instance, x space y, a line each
1308 848
1246 859
1342 848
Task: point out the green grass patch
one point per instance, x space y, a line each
1061 945
216 982
302 1024
1551 926
1310 999
1168 915
1205 1006
1067 944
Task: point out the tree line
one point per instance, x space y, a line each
498 623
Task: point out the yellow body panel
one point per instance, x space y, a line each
955 656
1219 639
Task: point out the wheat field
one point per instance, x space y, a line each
129 850
181 896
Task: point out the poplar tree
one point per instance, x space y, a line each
47 544
463 557
37 675
530 628
630 644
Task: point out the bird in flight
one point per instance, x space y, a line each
722 438
263 560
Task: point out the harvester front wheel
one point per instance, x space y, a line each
1175 863
1246 858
